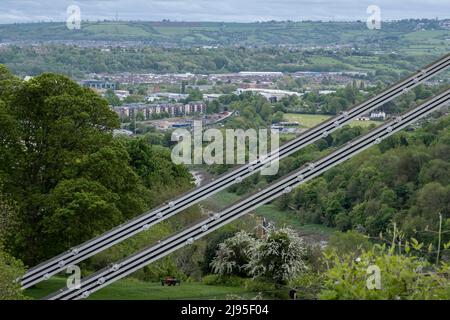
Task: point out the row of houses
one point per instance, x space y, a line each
166 95
149 110
98 84
273 95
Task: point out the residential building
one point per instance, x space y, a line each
272 95
378 115
149 110
98 84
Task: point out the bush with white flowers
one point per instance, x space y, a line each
234 254
279 258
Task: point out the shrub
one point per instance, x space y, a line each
10 270
280 257
234 254
401 277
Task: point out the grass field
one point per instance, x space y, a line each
289 219
272 213
132 289
311 120
222 199
116 30
301 33
306 120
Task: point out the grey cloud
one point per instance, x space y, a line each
220 10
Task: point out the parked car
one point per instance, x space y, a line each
170 281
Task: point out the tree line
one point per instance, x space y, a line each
64 177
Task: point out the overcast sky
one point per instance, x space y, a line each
220 10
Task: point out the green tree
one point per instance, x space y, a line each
212 244
112 99
110 166
10 270
5 74
78 210
194 95
350 242
52 128
436 170
401 277
154 166
56 122
278 117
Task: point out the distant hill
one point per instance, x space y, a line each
166 33
174 47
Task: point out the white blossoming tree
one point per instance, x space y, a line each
280 257
234 254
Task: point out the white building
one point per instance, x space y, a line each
211 96
122 94
260 73
327 91
167 95
272 95
118 132
378 115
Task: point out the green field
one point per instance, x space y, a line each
311 120
132 289
116 30
272 213
222 199
291 220
306 33
306 120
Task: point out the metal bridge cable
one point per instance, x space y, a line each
185 237
143 222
